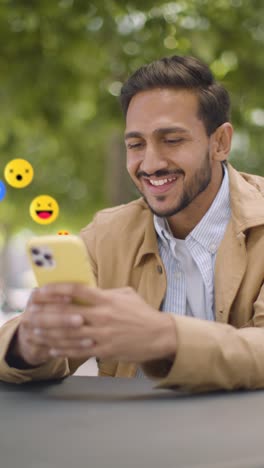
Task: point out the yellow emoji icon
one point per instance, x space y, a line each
63 233
18 173
44 209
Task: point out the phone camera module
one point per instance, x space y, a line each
48 257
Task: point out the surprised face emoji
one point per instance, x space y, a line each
18 173
44 209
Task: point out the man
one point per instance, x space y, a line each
191 248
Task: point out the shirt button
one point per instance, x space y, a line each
212 248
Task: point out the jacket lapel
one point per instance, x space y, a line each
152 281
246 196
231 262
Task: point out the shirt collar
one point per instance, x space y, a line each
162 228
207 231
210 230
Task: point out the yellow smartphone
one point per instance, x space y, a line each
60 259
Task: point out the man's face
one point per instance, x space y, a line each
168 150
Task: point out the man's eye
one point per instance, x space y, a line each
173 140
134 145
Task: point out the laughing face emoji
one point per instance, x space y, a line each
18 173
44 209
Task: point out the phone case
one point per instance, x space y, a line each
60 259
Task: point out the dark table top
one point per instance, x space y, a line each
103 422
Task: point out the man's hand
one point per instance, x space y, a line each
75 321
46 313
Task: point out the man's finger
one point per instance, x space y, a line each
39 296
63 333
62 344
72 353
81 293
49 320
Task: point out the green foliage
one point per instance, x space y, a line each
62 63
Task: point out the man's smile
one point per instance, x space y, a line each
156 186
162 181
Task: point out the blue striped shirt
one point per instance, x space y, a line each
190 263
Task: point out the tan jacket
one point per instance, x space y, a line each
228 353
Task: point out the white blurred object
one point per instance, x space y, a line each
17 298
88 368
28 280
4 317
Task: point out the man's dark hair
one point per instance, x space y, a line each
182 73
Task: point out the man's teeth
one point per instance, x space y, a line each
161 181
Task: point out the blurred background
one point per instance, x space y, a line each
62 64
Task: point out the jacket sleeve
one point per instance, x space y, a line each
214 356
54 369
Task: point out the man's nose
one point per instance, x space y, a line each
153 160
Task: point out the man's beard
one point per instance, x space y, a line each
198 184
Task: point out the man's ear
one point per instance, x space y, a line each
221 142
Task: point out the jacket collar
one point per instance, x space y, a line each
247 208
247 199
149 244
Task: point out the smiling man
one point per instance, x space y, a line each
172 161
180 295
